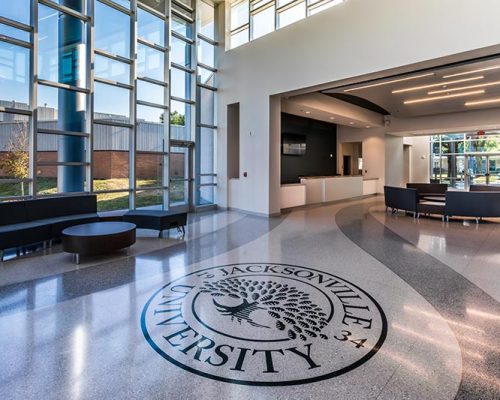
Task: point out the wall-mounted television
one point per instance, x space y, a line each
293 145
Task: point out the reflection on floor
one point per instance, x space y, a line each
338 301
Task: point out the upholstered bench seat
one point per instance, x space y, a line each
431 207
33 221
24 233
157 220
58 224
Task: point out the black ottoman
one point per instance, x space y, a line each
157 219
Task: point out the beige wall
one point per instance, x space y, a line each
394 174
390 170
373 148
358 38
419 158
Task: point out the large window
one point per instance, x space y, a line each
111 100
112 136
262 20
14 155
460 160
14 75
251 19
16 177
205 177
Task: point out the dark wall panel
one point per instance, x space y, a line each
321 141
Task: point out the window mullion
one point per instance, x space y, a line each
133 108
33 100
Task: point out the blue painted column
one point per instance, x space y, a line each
71 115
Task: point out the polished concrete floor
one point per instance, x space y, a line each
340 301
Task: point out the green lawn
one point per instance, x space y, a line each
106 201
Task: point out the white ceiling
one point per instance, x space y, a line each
325 108
462 84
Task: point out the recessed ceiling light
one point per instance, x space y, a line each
332 117
479 102
389 82
352 123
368 126
412 89
472 72
308 112
450 96
481 85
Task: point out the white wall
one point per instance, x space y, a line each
356 38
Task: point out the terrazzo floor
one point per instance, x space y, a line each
340 301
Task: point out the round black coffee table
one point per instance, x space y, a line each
97 238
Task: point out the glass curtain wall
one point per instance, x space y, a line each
461 160
206 90
16 99
251 19
113 110
83 112
182 100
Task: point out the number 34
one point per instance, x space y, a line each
345 336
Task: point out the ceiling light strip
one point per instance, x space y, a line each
481 102
412 89
481 85
472 72
450 96
389 82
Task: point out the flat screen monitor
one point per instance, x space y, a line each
293 145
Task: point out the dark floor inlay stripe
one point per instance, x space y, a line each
54 289
446 290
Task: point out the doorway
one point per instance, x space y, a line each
483 169
347 166
181 176
352 158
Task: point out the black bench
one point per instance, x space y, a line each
434 192
484 188
476 204
41 220
157 220
406 199
431 207
398 198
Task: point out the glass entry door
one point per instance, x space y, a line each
483 169
181 176
477 170
461 171
494 169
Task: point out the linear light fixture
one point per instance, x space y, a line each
480 102
412 89
389 82
472 72
450 96
481 85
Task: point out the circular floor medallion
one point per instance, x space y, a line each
264 324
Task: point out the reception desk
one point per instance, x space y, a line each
323 189
293 195
370 186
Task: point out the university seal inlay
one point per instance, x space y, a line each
264 324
